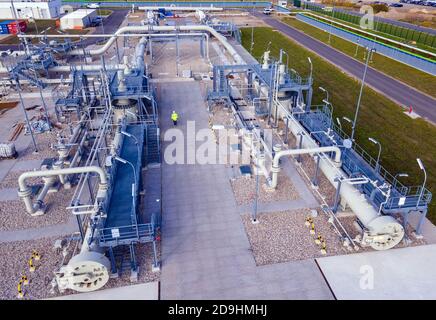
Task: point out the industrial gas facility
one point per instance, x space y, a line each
102 195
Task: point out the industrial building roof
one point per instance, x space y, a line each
80 13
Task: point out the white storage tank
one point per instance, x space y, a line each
78 19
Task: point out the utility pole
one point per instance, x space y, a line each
369 51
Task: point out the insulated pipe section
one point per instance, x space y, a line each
149 29
25 193
381 232
139 53
276 166
96 67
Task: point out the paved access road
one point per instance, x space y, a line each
422 104
109 26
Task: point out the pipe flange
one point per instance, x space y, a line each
24 193
275 169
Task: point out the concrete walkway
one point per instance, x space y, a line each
205 251
406 273
143 291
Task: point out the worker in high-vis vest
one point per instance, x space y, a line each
174 117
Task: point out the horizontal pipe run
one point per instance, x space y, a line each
276 168
25 193
147 31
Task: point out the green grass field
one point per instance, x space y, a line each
386 35
403 139
422 81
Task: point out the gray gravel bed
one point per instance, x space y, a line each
11 180
13 215
326 189
43 142
244 190
283 236
14 258
144 254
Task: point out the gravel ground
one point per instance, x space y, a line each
283 236
221 116
13 215
12 267
244 190
292 141
40 285
11 180
326 189
43 142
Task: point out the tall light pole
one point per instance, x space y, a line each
360 93
377 165
326 92
254 218
124 161
397 176
331 21
421 166
129 135
339 123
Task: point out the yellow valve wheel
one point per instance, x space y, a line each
24 280
36 255
323 247
32 267
312 228
308 222
20 290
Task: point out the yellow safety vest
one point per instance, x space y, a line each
174 116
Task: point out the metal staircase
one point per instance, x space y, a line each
152 146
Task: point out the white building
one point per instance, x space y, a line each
36 9
78 19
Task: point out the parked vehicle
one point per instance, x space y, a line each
93 6
268 11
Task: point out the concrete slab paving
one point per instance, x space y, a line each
396 274
143 291
205 251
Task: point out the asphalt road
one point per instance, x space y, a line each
391 21
109 26
397 91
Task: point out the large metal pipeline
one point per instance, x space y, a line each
149 29
276 161
103 49
25 193
381 232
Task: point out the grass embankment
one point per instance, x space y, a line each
422 81
104 12
386 35
40 26
402 138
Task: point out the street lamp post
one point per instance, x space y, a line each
421 166
129 135
353 129
311 69
134 185
339 123
331 21
377 165
397 176
350 121
326 92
